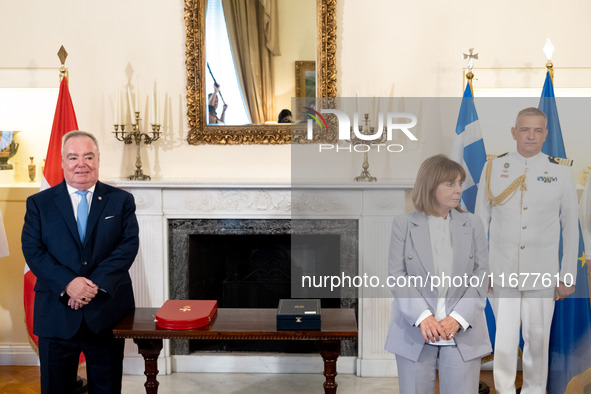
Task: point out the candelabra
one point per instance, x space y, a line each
136 136
365 176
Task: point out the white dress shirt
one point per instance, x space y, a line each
442 251
75 198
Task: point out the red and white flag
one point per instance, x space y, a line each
64 121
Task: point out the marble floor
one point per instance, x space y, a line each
214 383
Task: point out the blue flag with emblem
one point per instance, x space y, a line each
468 150
570 337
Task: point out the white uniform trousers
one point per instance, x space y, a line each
532 312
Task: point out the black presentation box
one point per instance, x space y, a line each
293 315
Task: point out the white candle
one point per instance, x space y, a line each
151 108
115 109
120 103
373 109
131 109
359 108
158 109
155 102
137 93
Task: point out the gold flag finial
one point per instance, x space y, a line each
62 54
471 56
548 51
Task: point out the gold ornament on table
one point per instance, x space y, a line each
32 169
135 135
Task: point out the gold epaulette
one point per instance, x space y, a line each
560 161
491 157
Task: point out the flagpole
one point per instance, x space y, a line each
548 51
550 69
63 122
81 383
470 75
62 54
569 353
473 163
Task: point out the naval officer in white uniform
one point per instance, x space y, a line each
524 198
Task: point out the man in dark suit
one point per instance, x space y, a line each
80 239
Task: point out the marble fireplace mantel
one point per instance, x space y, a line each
372 204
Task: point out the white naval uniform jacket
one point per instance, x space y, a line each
524 234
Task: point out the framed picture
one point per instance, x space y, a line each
305 76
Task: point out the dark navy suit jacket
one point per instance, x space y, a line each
53 250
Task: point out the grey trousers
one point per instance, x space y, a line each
455 375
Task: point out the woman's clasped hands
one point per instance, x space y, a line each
434 331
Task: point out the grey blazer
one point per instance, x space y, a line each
411 256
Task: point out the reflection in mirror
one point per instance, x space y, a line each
297 39
220 63
303 40
248 44
305 76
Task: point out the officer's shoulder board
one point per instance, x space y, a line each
560 161
492 157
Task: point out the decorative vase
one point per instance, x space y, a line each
32 170
8 148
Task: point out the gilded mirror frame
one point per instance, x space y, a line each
199 131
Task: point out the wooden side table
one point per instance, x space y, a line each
239 324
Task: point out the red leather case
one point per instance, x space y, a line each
186 314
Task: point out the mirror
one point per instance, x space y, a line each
202 133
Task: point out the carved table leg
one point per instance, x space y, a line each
330 351
150 350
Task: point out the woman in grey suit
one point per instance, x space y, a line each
438 267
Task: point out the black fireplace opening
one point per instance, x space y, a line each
254 271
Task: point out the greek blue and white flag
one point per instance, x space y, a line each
468 148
